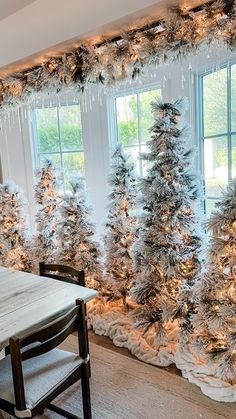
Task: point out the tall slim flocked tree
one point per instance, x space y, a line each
47 201
76 246
168 245
214 333
14 234
120 226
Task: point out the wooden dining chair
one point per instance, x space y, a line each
62 273
36 371
65 274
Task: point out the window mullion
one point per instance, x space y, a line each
115 120
61 157
229 113
202 139
35 134
139 132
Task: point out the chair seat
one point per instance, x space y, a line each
41 375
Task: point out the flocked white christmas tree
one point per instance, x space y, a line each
14 235
47 201
120 226
76 246
167 249
214 334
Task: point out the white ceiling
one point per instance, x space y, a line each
8 7
30 28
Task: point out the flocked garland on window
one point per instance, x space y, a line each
180 33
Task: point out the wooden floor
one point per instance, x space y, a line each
105 342
124 388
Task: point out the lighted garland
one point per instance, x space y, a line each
179 34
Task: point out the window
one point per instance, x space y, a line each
58 133
134 118
218 131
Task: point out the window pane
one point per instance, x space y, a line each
210 205
145 113
127 121
215 103
233 80
73 164
70 128
54 158
216 165
233 156
133 153
47 130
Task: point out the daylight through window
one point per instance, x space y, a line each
134 118
218 131
58 132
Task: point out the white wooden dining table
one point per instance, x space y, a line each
29 301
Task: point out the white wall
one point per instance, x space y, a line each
177 79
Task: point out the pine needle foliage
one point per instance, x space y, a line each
215 322
167 250
47 200
14 234
76 245
120 227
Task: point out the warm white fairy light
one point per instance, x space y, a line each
215 321
167 250
14 236
47 200
120 228
74 235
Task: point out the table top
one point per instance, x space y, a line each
28 301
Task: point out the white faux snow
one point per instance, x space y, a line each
110 319
203 374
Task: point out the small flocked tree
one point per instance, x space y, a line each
47 200
14 237
168 245
214 333
76 246
120 225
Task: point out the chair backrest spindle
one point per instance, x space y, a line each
62 273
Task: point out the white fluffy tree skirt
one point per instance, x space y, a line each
203 374
110 319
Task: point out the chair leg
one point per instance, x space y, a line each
89 368
7 350
84 353
87 339
86 391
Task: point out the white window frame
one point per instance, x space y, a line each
112 111
227 134
95 146
35 140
